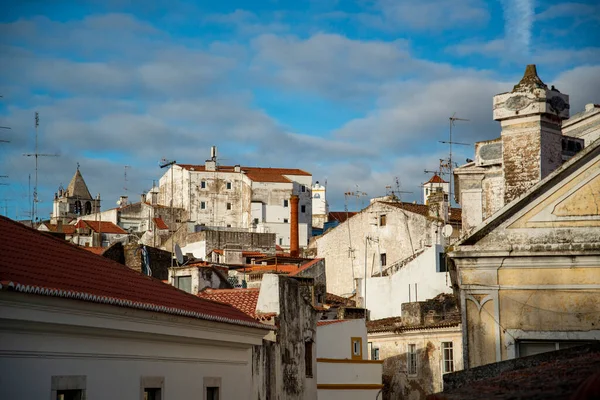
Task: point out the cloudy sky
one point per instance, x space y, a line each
358 92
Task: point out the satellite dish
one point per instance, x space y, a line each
447 231
178 254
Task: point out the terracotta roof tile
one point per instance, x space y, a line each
243 299
95 250
160 224
59 269
336 300
100 226
331 321
66 229
306 266
340 216
436 179
256 174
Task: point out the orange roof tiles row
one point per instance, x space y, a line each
256 174
100 226
244 300
59 269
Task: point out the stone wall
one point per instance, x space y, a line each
160 260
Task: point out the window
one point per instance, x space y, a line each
303 188
316 196
68 387
152 394
184 283
382 220
255 221
442 265
285 220
302 208
447 357
203 205
280 241
228 185
203 184
212 388
383 257
374 351
229 206
229 225
356 348
308 359
533 347
411 360
151 387
285 203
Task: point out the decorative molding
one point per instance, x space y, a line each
104 356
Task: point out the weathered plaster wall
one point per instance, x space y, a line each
343 247
393 349
282 365
202 278
160 260
334 340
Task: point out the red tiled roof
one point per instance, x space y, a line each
335 300
95 250
66 229
160 224
256 174
100 226
340 216
436 179
243 299
305 266
331 321
59 269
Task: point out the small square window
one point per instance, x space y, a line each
229 225
255 221
203 205
302 208
203 185
229 206
68 387
285 220
228 185
212 388
382 220
285 203
303 188
212 393
152 387
152 394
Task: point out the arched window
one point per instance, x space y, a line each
78 207
88 208
317 196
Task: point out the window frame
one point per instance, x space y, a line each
211 382
202 184
203 205
228 185
176 283
152 382
356 340
383 259
411 359
68 382
383 220
308 359
286 203
228 206
447 361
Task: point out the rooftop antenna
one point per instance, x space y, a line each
36 155
397 193
125 177
450 166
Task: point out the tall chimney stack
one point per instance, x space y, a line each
294 239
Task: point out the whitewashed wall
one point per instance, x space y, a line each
386 294
334 340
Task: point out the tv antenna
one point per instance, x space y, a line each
125 177
450 166
36 155
395 191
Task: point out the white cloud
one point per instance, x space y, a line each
518 23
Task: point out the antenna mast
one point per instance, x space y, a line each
125 177
36 155
450 165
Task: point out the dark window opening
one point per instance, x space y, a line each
308 350
442 263
229 206
74 394
152 394
88 208
302 209
285 220
383 257
303 188
228 185
212 393
203 184
202 205
285 203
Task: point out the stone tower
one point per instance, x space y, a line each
530 116
320 209
75 201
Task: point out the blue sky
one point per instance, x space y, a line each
356 92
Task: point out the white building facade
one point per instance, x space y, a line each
236 197
320 208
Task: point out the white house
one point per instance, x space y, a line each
79 326
344 370
251 198
320 208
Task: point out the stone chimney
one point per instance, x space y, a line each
294 238
530 116
438 204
